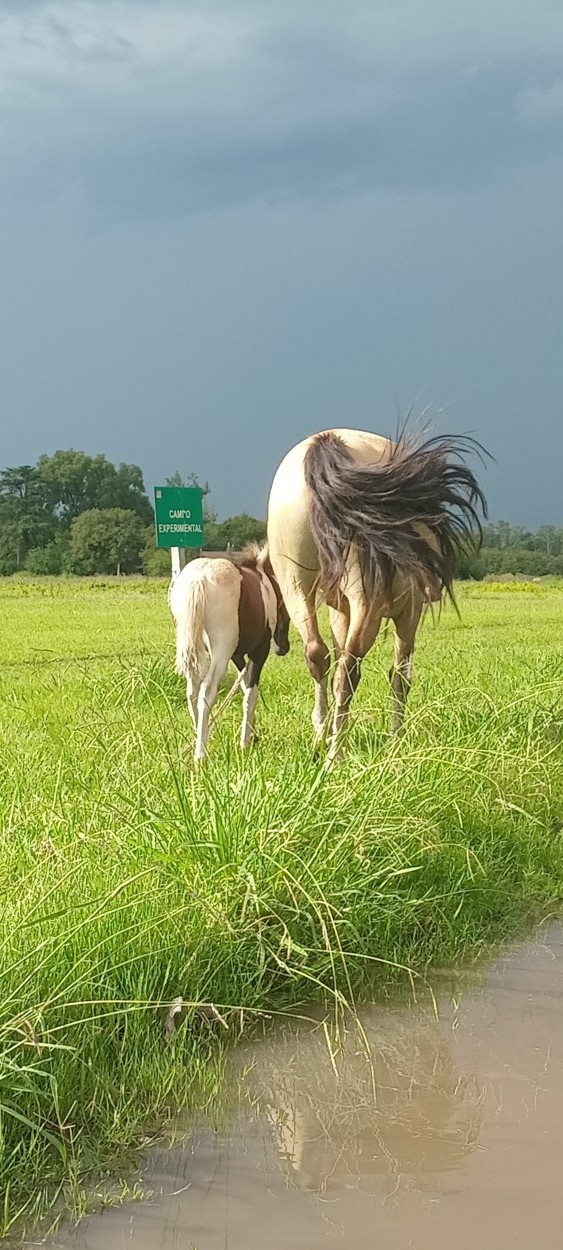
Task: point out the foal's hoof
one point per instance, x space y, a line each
320 738
334 757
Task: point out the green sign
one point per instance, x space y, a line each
178 512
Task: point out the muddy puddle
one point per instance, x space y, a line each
448 1134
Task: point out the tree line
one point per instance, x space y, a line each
513 549
74 513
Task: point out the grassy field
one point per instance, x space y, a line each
127 879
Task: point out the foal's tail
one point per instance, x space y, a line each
416 512
187 602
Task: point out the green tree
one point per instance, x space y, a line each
51 559
74 482
106 540
19 482
470 567
10 546
548 540
25 519
191 479
236 531
504 529
155 560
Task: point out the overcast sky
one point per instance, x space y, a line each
225 225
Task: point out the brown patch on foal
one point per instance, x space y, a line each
253 625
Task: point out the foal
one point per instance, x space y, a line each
226 611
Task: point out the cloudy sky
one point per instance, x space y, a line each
227 224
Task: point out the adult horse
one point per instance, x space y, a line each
375 528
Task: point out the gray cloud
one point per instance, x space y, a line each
543 106
226 224
168 108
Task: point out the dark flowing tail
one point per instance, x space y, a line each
380 508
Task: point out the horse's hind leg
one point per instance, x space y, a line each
400 675
301 606
318 662
339 626
362 633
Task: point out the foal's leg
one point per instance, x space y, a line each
406 624
239 662
193 683
220 657
362 633
250 688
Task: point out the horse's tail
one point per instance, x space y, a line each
187 602
414 512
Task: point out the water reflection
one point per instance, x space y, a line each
391 1103
416 1132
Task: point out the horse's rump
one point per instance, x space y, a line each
412 513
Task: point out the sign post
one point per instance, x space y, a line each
178 513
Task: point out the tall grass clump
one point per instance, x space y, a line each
129 880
